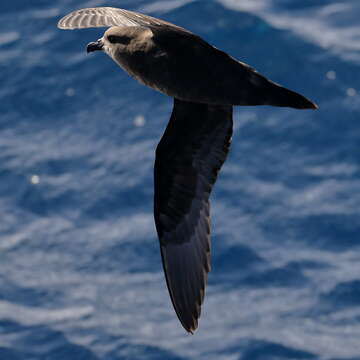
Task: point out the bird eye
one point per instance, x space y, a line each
114 39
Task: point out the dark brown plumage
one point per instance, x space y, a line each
205 83
190 154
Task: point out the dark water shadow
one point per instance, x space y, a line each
266 350
240 266
40 342
263 350
343 295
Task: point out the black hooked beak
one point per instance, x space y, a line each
94 46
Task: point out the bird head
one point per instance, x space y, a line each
118 40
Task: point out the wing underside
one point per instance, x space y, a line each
107 17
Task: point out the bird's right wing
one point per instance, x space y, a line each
109 16
190 154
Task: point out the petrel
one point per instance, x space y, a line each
205 83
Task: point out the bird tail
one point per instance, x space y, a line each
245 86
277 95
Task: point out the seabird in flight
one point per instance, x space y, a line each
205 83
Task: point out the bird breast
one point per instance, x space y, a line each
182 68
142 60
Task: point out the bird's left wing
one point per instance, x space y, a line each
190 154
109 16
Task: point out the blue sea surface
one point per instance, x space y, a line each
80 269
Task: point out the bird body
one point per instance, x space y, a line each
171 61
205 83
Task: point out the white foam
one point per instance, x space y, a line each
9 37
163 6
334 26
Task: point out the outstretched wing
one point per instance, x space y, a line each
108 16
190 154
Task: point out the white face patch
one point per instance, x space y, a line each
112 50
108 47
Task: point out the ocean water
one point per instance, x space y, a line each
80 270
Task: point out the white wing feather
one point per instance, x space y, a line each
107 17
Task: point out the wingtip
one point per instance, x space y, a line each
190 326
60 24
191 329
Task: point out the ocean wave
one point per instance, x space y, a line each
332 25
